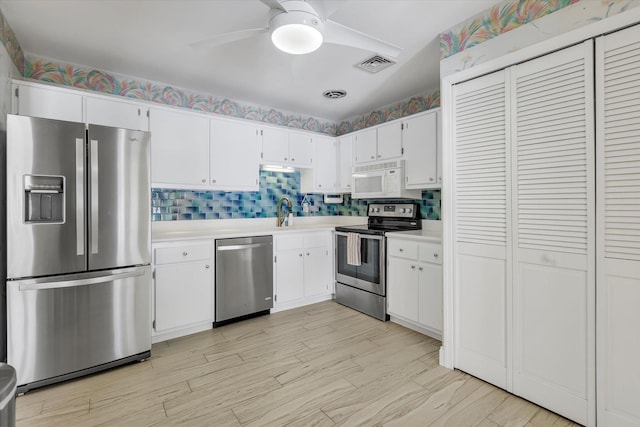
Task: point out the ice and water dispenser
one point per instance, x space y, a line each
44 199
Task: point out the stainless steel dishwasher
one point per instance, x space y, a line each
244 278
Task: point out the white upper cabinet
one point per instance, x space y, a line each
419 140
366 145
47 102
116 113
275 145
179 149
301 149
287 148
390 140
345 163
234 151
323 176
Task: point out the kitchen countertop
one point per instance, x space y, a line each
162 231
220 229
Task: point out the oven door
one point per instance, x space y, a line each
370 274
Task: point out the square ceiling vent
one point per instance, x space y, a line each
375 64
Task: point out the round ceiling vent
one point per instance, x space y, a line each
334 93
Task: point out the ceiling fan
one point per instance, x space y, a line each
299 27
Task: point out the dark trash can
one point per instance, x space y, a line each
7 395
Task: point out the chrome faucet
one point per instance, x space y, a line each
281 215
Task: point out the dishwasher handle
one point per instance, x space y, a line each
240 247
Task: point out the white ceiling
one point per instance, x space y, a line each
149 39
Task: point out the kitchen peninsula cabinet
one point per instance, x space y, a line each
47 102
303 269
414 284
183 288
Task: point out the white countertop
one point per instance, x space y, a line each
225 228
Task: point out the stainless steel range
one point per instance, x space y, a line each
361 256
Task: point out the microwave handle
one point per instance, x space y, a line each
384 182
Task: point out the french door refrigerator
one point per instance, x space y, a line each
78 248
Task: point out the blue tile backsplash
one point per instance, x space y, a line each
173 205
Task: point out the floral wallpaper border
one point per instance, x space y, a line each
10 42
498 20
110 83
407 107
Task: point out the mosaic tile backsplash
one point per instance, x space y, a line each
173 205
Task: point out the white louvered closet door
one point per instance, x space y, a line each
618 228
481 215
553 229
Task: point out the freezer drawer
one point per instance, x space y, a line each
61 325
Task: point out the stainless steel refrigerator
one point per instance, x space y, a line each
78 248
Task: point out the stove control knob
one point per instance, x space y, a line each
376 209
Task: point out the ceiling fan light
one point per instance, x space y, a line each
296 33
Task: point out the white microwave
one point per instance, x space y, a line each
380 181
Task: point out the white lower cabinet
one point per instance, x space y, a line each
414 284
183 288
303 269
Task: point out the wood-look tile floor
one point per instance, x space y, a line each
319 365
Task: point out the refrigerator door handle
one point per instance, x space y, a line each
48 283
94 197
79 196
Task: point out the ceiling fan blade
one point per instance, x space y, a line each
225 38
275 4
335 33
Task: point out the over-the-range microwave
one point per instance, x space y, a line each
381 181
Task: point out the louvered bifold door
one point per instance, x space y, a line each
618 228
553 227
481 215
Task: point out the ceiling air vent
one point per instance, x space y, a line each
334 93
375 63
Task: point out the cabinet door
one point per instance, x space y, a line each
179 149
402 288
366 145
430 296
120 114
301 149
275 146
234 156
325 167
390 141
420 139
618 229
317 271
482 261
49 103
345 163
554 223
182 295
289 275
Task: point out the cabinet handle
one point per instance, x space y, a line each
213 181
435 255
379 155
420 268
413 267
307 253
439 179
431 179
401 250
204 181
373 157
300 254
285 158
319 185
348 185
185 253
207 266
293 160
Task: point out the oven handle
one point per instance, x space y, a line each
362 235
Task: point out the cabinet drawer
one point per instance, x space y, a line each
402 248
431 252
289 243
182 253
316 240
